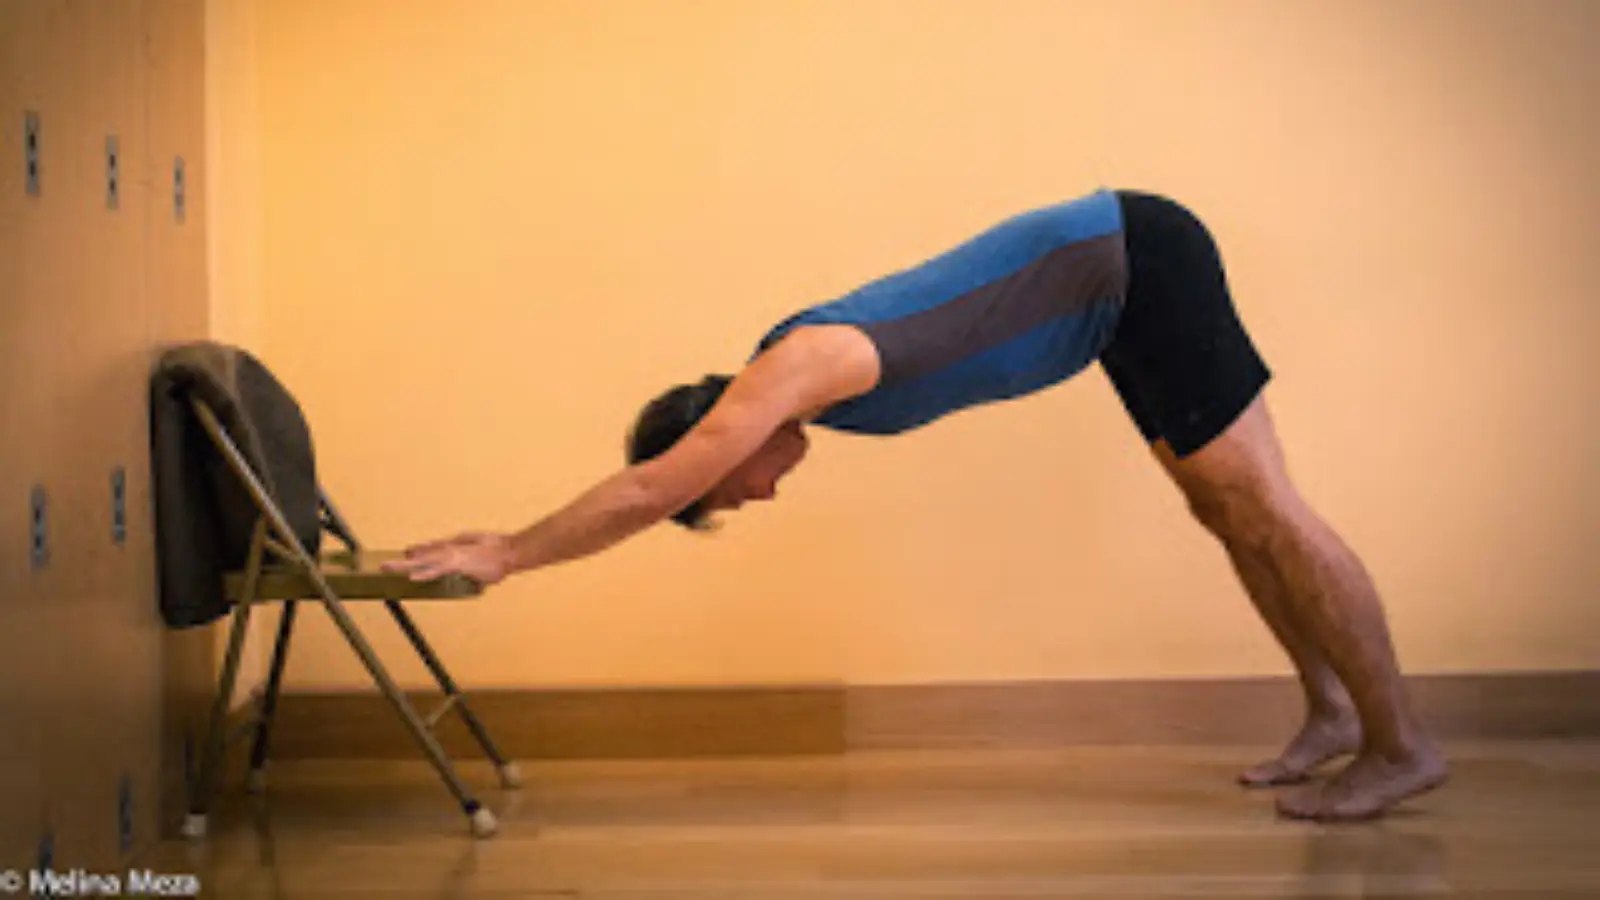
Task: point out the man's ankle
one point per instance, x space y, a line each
1330 705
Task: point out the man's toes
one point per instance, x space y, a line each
1271 774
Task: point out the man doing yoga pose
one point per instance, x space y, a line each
1126 278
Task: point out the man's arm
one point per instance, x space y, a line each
642 495
799 374
788 380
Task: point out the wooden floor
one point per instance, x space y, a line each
1518 821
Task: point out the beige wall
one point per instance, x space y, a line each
490 230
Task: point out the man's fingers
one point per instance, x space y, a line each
403 566
435 559
422 561
418 570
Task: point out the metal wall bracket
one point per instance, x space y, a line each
180 191
119 505
30 150
111 172
40 527
46 861
125 814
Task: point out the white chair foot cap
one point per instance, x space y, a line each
256 781
194 826
510 776
483 823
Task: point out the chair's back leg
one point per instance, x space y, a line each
269 702
216 730
335 522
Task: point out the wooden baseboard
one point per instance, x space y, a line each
825 719
1210 711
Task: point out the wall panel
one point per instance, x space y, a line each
22 299
96 329
93 282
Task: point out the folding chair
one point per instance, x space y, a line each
241 518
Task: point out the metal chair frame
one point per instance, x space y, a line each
274 536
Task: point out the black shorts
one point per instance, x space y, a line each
1180 358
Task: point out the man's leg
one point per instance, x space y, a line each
1240 490
1331 729
1184 365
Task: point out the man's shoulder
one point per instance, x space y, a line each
842 358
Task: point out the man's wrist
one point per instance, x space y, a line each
515 556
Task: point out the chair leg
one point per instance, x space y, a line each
216 730
510 775
269 702
483 821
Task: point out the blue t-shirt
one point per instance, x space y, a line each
1026 304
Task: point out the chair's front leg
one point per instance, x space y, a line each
510 775
482 820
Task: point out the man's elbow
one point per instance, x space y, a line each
656 496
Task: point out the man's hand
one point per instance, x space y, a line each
485 557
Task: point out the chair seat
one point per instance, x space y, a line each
353 576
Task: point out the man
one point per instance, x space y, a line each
1129 279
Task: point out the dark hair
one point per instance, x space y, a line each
665 420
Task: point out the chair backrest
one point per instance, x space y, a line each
205 516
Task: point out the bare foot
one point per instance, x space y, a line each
1323 738
1367 788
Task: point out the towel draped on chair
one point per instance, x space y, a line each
204 516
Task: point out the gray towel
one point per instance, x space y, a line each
204 515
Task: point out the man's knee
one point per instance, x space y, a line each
1243 517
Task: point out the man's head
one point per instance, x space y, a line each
668 417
